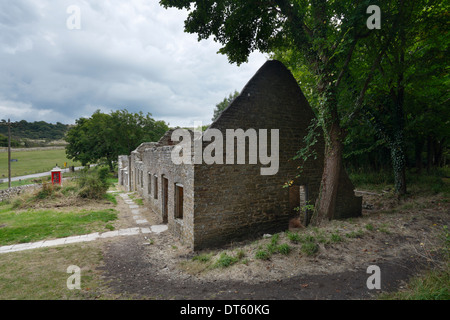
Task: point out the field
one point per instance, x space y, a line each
30 162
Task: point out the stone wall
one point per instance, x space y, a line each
123 174
223 203
154 176
14 191
235 202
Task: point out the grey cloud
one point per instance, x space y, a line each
130 55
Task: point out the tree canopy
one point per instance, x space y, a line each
34 130
353 73
103 137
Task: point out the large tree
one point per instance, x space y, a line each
103 137
324 34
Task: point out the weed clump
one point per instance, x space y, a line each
225 261
310 248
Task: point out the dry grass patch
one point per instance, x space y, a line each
41 274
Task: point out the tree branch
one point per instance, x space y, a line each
344 68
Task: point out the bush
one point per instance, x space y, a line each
47 190
93 184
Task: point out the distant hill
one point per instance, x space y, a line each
29 133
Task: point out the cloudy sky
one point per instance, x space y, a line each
129 55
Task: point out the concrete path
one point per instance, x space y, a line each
143 228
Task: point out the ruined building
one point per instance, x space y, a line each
209 205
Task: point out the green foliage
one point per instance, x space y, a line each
294 237
335 237
202 257
103 137
94 183
434 285
4 141
33 130
262 255
33 225
225 261
223 105
368 88
310 140
47 190
284 249
273 247
310 248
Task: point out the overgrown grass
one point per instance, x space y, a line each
48 195
273 247
225 261
434 285
209 261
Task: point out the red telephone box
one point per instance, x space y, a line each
56 176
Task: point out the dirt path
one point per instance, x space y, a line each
400 244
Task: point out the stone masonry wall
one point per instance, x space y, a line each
156 166
14 191
234 202
224 203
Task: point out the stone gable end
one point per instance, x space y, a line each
224 203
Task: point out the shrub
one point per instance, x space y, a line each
93 184
47 190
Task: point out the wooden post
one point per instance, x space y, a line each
9 153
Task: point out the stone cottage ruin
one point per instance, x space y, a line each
209 205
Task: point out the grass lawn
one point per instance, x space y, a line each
41 274
30 162
35 225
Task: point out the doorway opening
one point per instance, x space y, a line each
165 198
299 205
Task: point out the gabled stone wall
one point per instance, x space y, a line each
235 202
223 203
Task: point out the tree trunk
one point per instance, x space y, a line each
399 166
418 154
110 165
326 201
429 153
438 152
